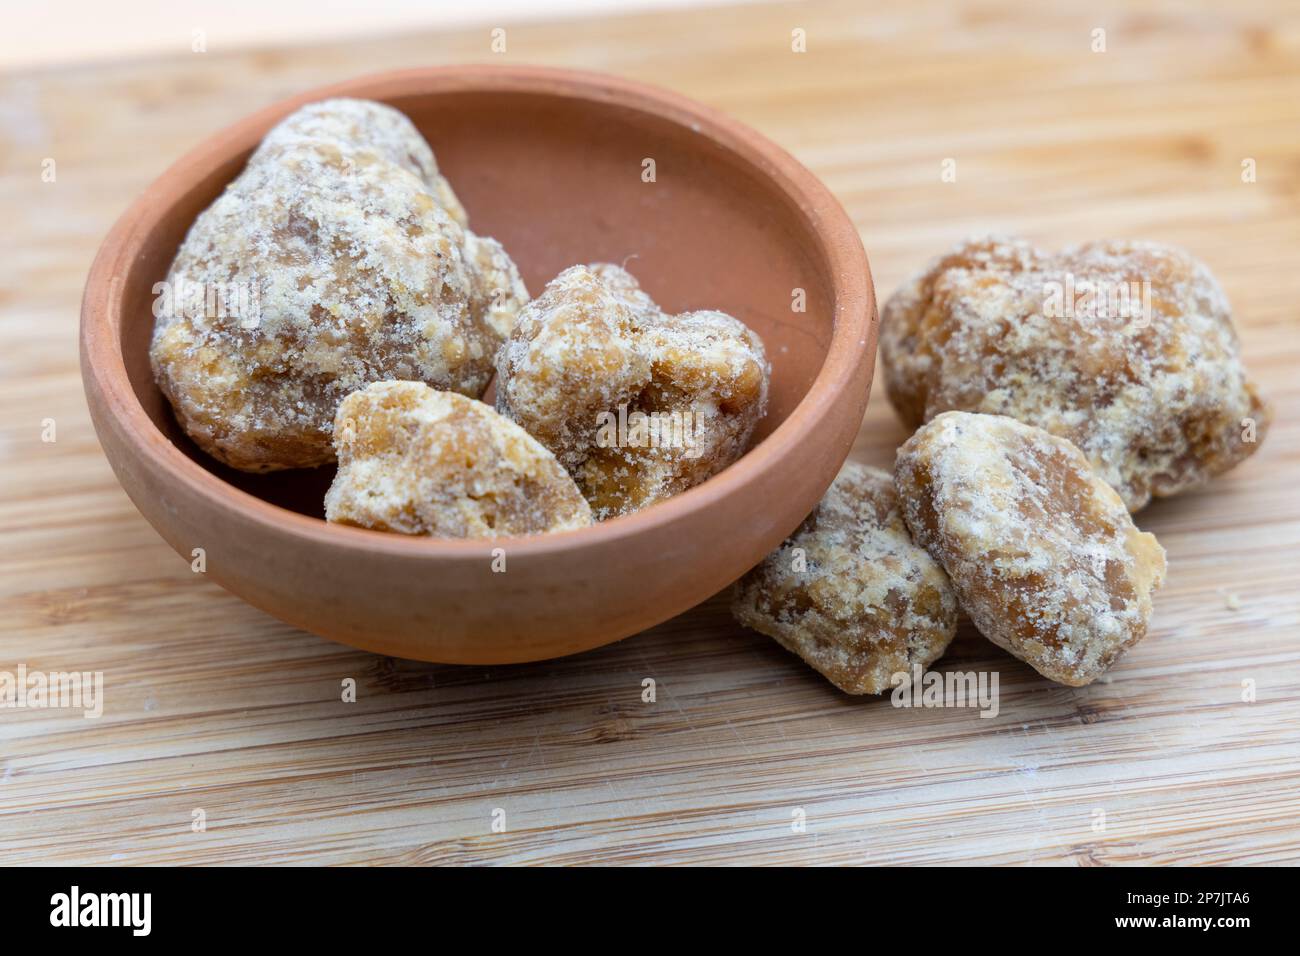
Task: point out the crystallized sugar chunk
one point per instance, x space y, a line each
1125 348
333 265
1043 554
365 125
849 591
637 404
419 461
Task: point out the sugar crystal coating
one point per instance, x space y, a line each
637 404
323 267
370 126
1126 348
1043 554
419 461
849 591
497 292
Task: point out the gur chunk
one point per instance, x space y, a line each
849 591
1043 554
1126 348
326 265
415 460
637 404
497 292
367 126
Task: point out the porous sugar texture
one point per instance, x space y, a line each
365 125
636 403
1043 554
497 292
416 460
1126 348
849 591
326 265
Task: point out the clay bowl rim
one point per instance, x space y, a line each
846 266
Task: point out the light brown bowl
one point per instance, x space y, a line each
550 163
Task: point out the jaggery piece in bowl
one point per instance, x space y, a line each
333 266
1126 348
419 461
364 125
637 404
850 592
1043 554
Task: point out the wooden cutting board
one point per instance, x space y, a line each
212 706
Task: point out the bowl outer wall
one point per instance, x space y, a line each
438 600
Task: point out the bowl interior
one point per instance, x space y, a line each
562 180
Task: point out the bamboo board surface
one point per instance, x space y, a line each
211 705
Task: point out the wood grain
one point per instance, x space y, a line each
211 704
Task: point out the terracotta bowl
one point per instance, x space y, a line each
550 162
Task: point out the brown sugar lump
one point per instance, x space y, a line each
323 267
416 460
637 404
1126 348
849 591
497 292
348 272
1043 554
369 126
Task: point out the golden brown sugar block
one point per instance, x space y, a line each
637 404
419 461
369 126
323 267
1043 554
370 132
850 592
1128 349
497 292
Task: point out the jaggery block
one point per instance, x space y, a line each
419 461
849 591
497 292
1126 348
637 404
371 126
335 266
1043 554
